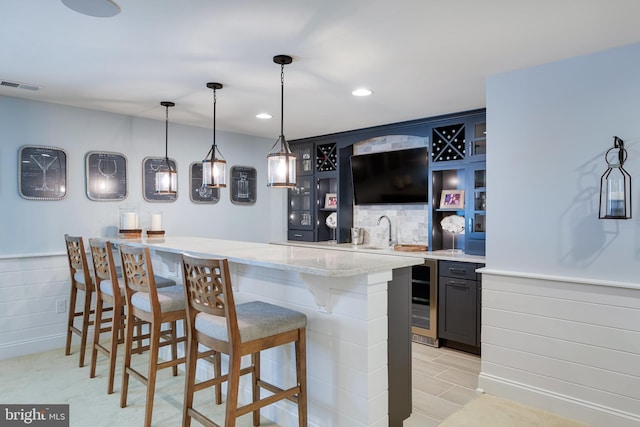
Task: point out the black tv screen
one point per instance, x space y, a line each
390 177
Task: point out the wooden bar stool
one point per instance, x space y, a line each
81 280
105 270
214 321
155 306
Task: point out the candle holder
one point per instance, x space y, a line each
155 230
129 228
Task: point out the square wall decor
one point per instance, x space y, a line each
150 166
197 192
243 185
106 176
42 172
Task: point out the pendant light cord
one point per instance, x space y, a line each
215 100
166 135
282 100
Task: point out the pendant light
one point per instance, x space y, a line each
281 165
214 169
166 176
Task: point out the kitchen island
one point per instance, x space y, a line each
346 297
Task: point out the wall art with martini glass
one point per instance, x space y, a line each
42 172
106 176
197 192
150 166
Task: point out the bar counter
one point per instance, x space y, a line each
357 306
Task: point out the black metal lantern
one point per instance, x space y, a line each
281 162
214 166
166 176
615 184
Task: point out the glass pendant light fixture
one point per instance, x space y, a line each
166 176
214 169
615 185
281 165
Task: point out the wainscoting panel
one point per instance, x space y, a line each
567 346
30 289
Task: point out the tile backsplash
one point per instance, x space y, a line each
409 222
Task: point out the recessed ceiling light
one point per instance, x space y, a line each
97 8
264 116
361 92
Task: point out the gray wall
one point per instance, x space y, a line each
548 129
561 294
32 227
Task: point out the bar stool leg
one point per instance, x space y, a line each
233 380
190 380
85 323
255 392
154 347
113 352
128 342
72 315
96 337
301 373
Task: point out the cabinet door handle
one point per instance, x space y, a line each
457 284
297 235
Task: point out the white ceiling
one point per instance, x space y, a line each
420 57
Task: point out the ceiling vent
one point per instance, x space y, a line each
19 85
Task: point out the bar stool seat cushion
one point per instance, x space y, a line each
79 274
256 319
161 282
171 298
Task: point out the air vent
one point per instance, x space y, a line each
19 85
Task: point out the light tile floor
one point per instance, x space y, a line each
443 380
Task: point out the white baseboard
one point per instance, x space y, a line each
566 406
38 345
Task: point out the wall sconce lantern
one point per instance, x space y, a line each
615 185
214 166
281 165
166 176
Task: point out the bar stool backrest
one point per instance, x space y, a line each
138 274
78 266
208 290
104 266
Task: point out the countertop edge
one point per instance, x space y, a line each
443 255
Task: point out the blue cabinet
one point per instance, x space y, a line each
458 165
323 188
301 198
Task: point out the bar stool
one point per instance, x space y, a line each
105 269
214 321
155 306
81 280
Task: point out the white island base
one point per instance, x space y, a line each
347 328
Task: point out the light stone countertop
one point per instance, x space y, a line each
318 261
444 255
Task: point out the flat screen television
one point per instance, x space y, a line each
391 177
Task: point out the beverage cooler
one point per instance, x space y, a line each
424 303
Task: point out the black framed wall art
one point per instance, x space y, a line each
42 172
106 176
243 185
150 166
197 192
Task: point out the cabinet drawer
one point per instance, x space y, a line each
303 236
463 270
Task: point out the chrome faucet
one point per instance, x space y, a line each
387 218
